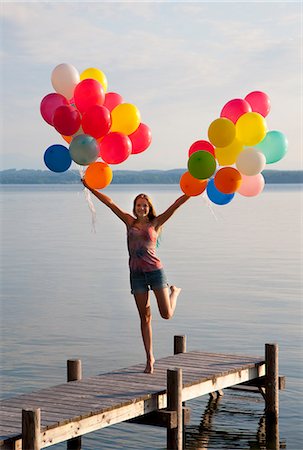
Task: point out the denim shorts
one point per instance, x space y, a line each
143 281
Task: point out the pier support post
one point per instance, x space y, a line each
174 403
31 436
179 344
74 373
272 396
272 381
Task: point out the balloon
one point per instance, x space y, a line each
98 175
49 104
125 118
201 145
250 162
251 128
84 149
216 196
201 165
95 74
88 93
65 78
57 158
96 121
67 139
226 156
140 139
259 102
115 148
228 180
67 120
274 146
252 186
235 108
221 132
191 186
112 99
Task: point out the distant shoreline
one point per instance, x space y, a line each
30 176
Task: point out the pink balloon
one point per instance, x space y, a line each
96 121
115 148
234 109
67 120
259 102
201 145
88 93
49 104
112 99
140 139
251 186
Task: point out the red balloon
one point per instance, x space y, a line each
201 145
115 148
112 99
88 93
141 138
259 102
96 121
234 109
49 104
67 120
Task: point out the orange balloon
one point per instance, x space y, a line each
68 139
228 180
192 186
98 175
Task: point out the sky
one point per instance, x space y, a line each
178 62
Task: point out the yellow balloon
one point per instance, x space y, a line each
221 132
95 74
251 128
125 118
227 156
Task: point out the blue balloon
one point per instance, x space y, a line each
216 196
57 158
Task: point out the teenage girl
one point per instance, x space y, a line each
146 270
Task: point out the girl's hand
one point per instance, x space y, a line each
84 183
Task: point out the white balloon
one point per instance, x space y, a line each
65 78
250 162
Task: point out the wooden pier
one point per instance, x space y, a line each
67 411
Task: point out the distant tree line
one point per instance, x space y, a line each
29 176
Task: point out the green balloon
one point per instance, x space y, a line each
273 146
201 165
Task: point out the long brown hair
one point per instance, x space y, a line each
151 213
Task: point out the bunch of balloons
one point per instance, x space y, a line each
100 128
239 146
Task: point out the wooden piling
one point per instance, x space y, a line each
272 381
74 373
174 403
272 396
31 419
74 370
179 344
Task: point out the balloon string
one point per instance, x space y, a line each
208 204
89 202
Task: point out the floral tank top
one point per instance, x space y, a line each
141 243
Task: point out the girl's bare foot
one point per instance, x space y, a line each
175 290
150 366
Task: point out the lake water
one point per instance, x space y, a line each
65 294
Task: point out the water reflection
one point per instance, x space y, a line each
213 431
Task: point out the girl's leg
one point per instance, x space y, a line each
167 300
143 305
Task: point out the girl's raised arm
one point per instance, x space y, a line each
162 218
124 216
